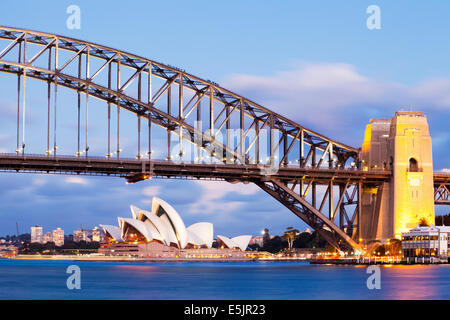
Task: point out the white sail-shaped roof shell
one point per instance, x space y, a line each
153 231
194 239
202 230
113 231
227 242
138 225
135 212
171 219
242 241
166 232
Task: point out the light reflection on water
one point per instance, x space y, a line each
20 279
137 268
419 282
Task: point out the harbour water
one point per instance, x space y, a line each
27 279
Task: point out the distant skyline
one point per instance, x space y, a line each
314 62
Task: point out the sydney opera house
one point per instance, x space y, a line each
161 233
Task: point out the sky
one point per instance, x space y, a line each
315 62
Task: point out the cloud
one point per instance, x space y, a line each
319 93
39 181
315 93
76 180
213 193
151 191
435 93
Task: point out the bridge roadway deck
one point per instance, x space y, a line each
135 170
441 178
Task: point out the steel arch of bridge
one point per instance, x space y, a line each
319 160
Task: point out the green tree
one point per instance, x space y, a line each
274 245
302 240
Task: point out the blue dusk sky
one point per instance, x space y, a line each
315 62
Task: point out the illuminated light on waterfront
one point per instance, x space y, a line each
137 268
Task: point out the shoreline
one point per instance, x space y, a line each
99 258
137 259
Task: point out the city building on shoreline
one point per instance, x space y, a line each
97 235
161 233
36 234
47 237
58 237
88 235
426 242
81 235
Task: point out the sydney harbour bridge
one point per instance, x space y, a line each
211 132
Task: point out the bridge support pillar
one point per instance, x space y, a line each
403 145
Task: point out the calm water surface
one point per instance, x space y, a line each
22 279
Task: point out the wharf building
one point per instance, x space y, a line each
424 243
161 233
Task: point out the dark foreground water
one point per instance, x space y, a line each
21 279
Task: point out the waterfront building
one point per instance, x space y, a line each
47 237
162 233
8 250
97 235
426 242
36 234
81 235
58 237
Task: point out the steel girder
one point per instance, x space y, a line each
341 237
441 188
442 194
